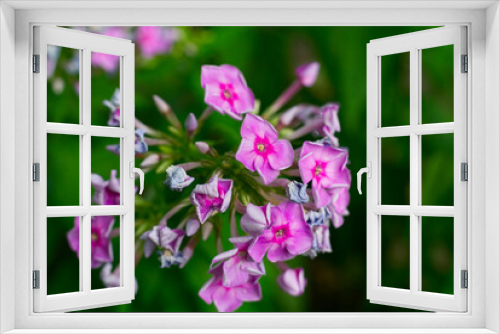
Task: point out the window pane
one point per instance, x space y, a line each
105 167
63 170
395 89
63 72
63 265
395 171
437 254
396 251
105 89
437 84
105 253
437 169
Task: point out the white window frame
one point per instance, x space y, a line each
414 43
85 43
483 20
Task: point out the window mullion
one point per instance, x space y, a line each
414 170
85 166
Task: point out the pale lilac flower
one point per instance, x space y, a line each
106 192
191 123
297 192
100 242
307 73
256 219
228 299
321 241
261 151
320 217
212 196
292 281
114 108
326 167
108 63
286 236
237 264
177 178
338 205
140 144
155 40
112 279
226 90
151 160
168 240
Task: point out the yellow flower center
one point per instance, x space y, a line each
279 233
318 170
94 237
227 94
167 252
261 147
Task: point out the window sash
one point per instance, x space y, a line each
86 43
413 43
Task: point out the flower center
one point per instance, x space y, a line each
228 94
279 233
261 147
94 237
318 170
167 252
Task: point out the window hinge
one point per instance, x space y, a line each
36 172
465 64
464 172
36 63
36 279
464 279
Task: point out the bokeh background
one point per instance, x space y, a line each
267 56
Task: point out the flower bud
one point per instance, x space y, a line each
307 74
202 147
292 281
191 123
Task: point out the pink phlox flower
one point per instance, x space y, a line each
261 150
326 167
153 40
228 299
100 242
212 196
292 281
226 90
106 192
237 264
108 63
340 199
286 236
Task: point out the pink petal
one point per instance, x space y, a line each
225 300
306 167
258 249
246 154
192 227
300 243
278 253
282 157
266 172
224 256
249 292
256 126
207 290
233 274
320 195
293 213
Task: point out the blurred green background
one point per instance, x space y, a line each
267 57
